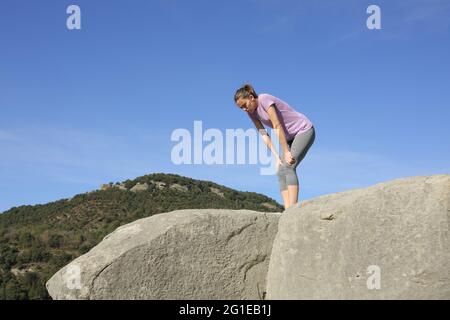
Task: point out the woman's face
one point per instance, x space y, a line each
248 104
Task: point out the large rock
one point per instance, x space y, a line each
184 254
388 241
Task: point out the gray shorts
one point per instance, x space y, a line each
298 147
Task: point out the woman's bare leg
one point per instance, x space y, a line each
286 198
293 194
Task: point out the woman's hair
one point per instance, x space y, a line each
244 91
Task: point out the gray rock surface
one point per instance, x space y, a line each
139 187
387 241
179 187
183 254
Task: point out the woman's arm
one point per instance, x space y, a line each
280 133
265 136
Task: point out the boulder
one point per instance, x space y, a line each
179 187
217 191
387 241
159 184
139 187
183 254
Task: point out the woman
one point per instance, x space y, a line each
295 133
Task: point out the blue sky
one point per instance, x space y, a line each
84 107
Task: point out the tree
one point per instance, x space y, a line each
55 240
14 291
26 239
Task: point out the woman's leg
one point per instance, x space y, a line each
281 173
299 148
293 194
286 198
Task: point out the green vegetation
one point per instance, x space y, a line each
37 241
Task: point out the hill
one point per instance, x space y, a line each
36 241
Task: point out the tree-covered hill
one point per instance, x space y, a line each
36 241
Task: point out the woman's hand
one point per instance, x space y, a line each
288 158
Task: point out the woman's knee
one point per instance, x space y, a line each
281 172
291 174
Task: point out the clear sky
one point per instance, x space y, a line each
84 107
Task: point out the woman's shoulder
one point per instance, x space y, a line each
266 96
267 99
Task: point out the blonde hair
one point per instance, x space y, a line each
245 91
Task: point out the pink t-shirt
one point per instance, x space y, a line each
292 121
